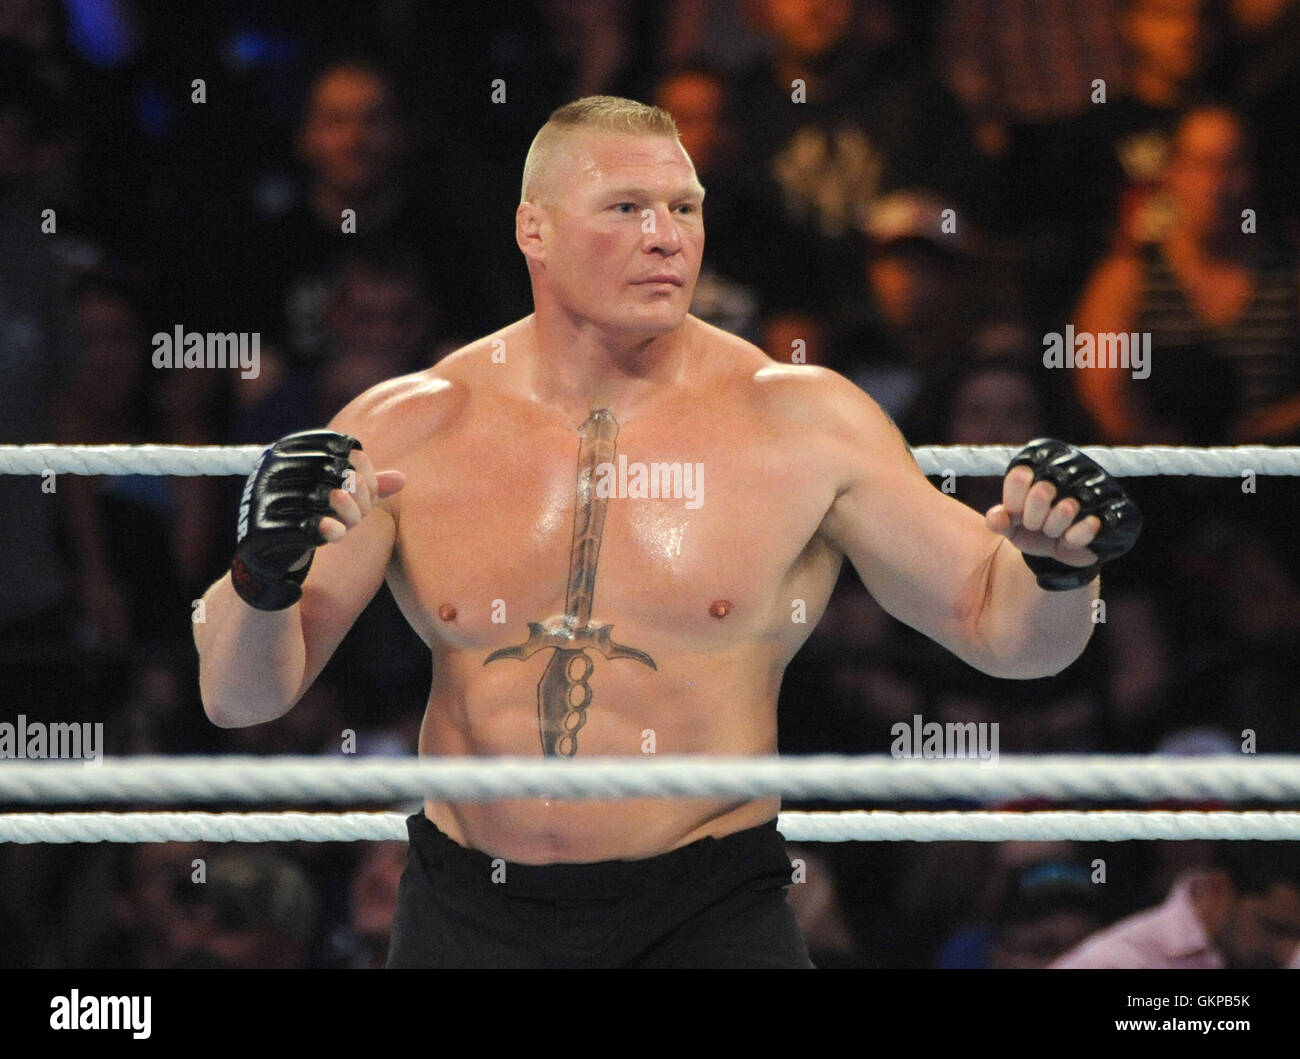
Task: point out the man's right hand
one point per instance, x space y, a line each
298 497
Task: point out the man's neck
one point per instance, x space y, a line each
579 368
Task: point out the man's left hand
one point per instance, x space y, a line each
1064 512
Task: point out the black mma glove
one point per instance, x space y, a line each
1078 476
284 500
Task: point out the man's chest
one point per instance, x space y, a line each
689 529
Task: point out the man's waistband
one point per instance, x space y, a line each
758 849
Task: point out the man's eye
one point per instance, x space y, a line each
626 207
686 208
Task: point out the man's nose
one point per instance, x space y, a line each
661 232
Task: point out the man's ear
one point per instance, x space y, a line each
528 230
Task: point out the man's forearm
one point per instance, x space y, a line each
1024 631
251 662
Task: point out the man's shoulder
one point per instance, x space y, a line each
388 406
1126 944
397 413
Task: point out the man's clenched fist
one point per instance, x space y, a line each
1065 514
307 489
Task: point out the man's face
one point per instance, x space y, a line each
695 102
910 284
1261 930
618 231
808 28
351 137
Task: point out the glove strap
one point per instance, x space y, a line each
1056 576
268 595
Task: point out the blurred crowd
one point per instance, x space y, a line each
914 193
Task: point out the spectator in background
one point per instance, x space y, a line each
1129 136
754 275
42 165
358 198
815 899
1046 903
1014 64
351 141
148 919
115 526
380 320
362 942
1219 301
853 678
1001 400
829 127
119 524
1243 913
722 30
1239 658
1261 75
696 97
1049 715
1093 180
257 910
38 356
1172 860
919 314
593 39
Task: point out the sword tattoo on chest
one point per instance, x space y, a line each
564 692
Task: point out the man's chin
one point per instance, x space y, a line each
650 322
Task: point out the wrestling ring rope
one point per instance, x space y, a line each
316 780
971 460
1266 778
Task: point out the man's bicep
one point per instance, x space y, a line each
923 555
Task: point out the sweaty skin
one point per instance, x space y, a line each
487 514
801 470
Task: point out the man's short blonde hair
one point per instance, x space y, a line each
607 113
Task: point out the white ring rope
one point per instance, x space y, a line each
185 460
1100 826
1123 461
971 460
344 780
